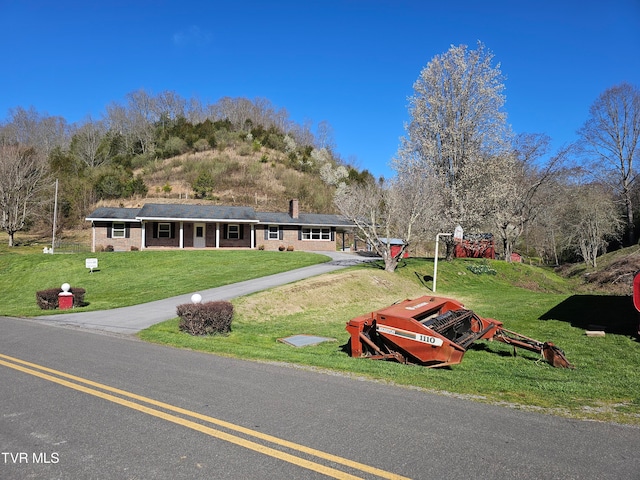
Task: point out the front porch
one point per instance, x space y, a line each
187 234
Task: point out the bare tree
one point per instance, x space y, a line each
324 136
399 209
135 121
546 232
610 141
119 124
590 224
168 106
195 111
142 115
29 128
23 173
514 186
456 123
87 142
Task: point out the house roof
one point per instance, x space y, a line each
213 213
311 219
112 213
392 241
153 211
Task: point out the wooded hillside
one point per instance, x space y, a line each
165 148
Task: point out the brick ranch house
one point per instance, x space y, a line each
214 226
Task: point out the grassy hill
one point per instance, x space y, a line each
614 273
262 178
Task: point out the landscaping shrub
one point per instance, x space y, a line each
48 299
207 318
484 268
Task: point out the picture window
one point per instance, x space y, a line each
316 234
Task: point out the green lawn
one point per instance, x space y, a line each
605 384
529 300
128 278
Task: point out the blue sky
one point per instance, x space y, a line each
351 63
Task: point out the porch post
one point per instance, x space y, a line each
143 235
253 236
217 234
93 236
181 235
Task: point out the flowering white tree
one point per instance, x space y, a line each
289 144
333 175
457 123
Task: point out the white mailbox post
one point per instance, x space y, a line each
435 259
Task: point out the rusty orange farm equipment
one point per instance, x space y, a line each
434 332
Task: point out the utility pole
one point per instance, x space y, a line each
55 213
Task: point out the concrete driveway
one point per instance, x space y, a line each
138 317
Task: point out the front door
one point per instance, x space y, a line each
199 233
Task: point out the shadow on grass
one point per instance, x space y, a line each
613 314
504 351
378 264
425 280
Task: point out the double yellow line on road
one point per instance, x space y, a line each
126 399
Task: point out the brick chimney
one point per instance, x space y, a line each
293 208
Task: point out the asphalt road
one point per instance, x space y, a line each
79 404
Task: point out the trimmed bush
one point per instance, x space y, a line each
207 318
48 299
481 269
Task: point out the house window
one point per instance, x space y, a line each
274 233
233 232
118 230
316 234
164 230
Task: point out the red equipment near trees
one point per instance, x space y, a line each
480 245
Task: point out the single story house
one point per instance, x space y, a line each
214 226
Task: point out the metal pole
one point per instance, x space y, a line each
435 260
55 212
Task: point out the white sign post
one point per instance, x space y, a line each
91 263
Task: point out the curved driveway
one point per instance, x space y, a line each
138 317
